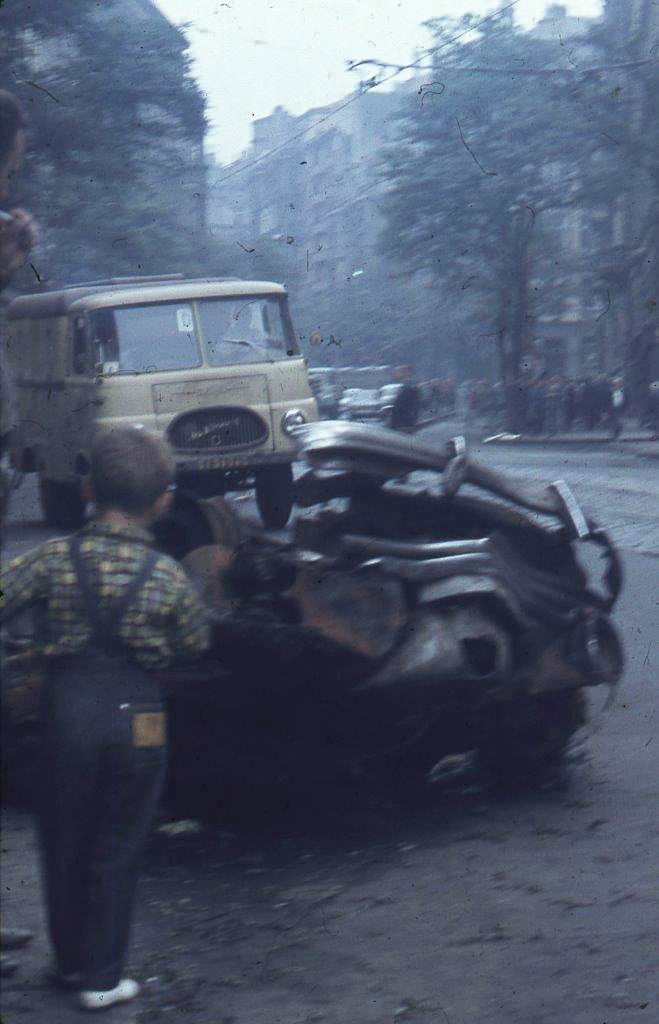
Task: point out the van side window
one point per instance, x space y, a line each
80 346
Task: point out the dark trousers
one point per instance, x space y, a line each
99 801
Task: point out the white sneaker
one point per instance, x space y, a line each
126 990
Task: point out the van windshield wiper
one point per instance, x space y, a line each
248 344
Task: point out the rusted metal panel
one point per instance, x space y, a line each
361 611
208 565
448 644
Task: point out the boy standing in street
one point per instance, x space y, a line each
114 612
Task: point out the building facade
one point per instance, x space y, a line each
602 318
309 187
561 343
115 163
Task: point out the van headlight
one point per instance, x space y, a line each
291 419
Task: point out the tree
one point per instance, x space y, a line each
493 145
114 171
624 104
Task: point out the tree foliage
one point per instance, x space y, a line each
499 141
114 171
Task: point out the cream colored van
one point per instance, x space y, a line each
213 365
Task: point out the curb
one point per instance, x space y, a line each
560 441
649 450
640 445
644 447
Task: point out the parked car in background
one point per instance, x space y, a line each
360 404
327 393
327 400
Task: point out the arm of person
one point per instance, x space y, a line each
17 238
190 635
23 583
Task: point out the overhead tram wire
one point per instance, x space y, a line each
358 96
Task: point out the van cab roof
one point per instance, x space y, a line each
134 291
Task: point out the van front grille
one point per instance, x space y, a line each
219 428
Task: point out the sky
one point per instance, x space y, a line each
252 55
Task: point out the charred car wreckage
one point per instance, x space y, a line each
403 622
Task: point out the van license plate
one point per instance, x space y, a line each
220 462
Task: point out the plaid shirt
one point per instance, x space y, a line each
166 620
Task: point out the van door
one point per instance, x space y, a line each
83 396
34 343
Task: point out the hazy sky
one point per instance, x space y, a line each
251 55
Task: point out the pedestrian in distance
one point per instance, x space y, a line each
602 401
589 404
519 398
407 404
553 405
616 405
114 612
568 404
653 408
536 405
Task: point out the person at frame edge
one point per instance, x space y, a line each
18 234
113 612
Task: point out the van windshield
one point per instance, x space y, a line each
144 339
245 330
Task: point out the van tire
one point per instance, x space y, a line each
62 503
274 495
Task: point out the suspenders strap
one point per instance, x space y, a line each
105 626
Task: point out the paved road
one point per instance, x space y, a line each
440 906
620 490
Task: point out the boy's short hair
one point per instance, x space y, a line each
130 469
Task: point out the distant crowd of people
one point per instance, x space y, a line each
443 392
542 405
552 405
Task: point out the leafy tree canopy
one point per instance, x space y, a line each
114 171
498 141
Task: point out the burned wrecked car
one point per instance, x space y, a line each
425 605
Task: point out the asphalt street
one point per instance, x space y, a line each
447 904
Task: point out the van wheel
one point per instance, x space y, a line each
62 504
274 495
